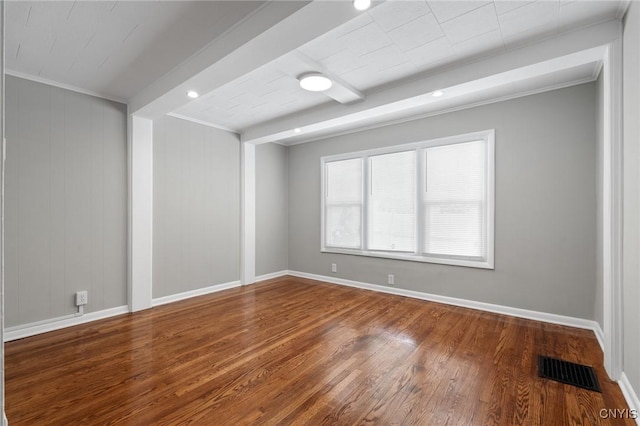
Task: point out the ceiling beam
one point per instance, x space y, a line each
273 30
392 101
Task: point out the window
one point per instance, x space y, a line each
430 201
343 205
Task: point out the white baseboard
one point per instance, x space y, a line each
193 293
599 335
31 329
465 303
272 275
630 395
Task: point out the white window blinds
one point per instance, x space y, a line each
392 202
454 206
343 204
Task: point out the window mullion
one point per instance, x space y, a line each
420 188
364 217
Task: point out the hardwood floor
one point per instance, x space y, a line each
295 351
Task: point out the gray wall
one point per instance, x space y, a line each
196 213
545 205
599 294
631 212
66 202
272 198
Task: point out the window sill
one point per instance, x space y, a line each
480 264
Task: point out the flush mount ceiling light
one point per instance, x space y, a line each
362 4
314 82
192 94
437 93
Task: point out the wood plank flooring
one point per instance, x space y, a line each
301 352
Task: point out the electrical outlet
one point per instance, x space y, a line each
82 298
334 267
392 279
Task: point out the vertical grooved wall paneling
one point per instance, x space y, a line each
272 208
66 199
196 206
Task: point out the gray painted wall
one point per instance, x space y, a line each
66 202
545 205
272 198
599 295
196 213
631 208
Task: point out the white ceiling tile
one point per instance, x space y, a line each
48 15
393 14
329 43
365 39
420 31
529 35
356 23
362 78
385 58
473 24
18 12
88 32
480 44
447 10
431 53
320 50
504 6
342 62
542 14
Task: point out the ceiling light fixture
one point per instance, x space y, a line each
437 93
297 130
362 4
315 82
192 94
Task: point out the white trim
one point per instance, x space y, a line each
3 143
272 275
141 213
248 213
194 293
630 395
64 86
487 262
612 210
599 335
204 123
38 327
464 303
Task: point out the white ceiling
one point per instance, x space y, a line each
138 50
395 40
112 48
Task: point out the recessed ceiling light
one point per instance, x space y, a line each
192 94
362 4
437 93
314 82
297 130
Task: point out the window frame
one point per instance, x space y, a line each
488 136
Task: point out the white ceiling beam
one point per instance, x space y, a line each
272 31
563 52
